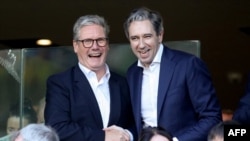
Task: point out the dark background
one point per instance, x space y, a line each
222 26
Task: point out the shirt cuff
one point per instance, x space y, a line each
175 139
130 135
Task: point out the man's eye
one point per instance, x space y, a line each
133 38
147 36
100 40
88 41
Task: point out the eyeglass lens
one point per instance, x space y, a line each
89 42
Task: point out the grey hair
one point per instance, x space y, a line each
218 129
89 20
142 14
38 132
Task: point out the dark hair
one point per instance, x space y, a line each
148 133
28 111
142 14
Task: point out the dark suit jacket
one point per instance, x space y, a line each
187 103
72 109
242 113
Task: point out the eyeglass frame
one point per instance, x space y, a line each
92 42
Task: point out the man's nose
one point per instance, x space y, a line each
141 43
95 45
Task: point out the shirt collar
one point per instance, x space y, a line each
88 72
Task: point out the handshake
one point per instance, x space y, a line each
115 133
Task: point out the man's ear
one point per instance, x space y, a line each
161 36
75 46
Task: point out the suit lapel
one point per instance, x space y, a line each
135 84
85 89
115 101
166 73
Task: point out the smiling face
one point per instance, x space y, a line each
144 41
94 57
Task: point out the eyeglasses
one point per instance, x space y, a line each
88 43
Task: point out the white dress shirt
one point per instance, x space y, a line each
101 91
149 94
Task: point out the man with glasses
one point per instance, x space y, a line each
88 102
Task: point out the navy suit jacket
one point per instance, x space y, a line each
72 109
187 103
242 113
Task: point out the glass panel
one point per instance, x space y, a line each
189 46
10 70
39 63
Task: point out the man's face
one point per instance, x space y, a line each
144 41
94 57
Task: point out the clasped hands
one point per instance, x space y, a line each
116 133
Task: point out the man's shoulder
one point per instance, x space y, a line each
63 74
180 57
177 53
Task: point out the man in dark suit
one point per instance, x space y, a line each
88 102
169 89
242 113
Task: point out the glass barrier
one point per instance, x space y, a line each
10 83
24 73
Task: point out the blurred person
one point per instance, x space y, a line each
154 134
15 116
89 102
169 88
40 111
35 132
16 120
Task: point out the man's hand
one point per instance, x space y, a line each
115 133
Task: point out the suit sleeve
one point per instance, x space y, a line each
58 116
203 98
242 113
